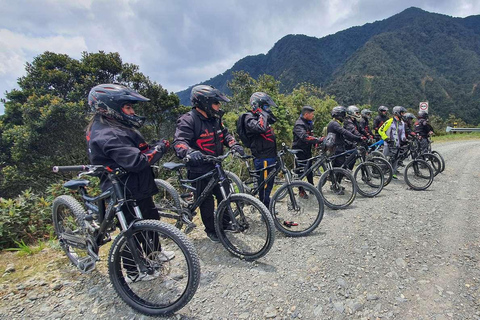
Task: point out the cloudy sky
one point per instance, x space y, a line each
178 43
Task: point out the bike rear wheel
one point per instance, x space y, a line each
386 168
68 217
369 179
338 188
254 233
441 159
418 174
433 161
170 283
168 200
299 211
235 183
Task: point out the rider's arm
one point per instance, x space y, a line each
184 136
347 134
121 148
228 138
300 131
256 124
383 129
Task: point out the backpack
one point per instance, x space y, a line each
242 133
329 143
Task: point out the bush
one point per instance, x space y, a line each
26 218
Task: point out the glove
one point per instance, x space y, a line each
364 138
238 149
195 158
162 146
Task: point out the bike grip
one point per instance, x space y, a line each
69 168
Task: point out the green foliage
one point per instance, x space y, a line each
44 122
24 219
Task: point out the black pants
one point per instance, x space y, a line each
207 208
145 244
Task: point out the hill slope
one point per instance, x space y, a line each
410 57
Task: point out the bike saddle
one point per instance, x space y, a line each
173 165
294 151
75 184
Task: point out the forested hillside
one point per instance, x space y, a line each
410 57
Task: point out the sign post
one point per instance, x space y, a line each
424 106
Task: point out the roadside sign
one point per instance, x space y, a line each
424 106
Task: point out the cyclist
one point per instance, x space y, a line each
365 123
379 121
258 125
351 124
335 128
423 129
113 140
393 134
304 139
201 132
408 120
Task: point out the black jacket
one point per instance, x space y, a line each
352 126
303 137
111 144
365 125
264 144
378 122
422 128
340 135
207 135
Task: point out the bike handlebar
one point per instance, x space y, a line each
70 168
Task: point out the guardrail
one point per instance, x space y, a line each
450 129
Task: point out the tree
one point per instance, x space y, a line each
44 120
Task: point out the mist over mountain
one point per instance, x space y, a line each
410 57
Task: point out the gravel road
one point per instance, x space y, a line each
402 255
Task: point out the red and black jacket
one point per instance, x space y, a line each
364 123
377 123
303 137
264 144
112 144
422 128
207 135
340 135
351 125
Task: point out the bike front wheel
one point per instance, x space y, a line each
433 161
244 226
418 174
297 208
338 188
172 264
369 179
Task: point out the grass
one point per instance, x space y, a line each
24 249
457 136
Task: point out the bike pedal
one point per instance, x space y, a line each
189 228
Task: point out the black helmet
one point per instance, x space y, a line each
339 112
408 116
366 113
398 111
382 108
307 109
261 100
422 114
203 96
109 99
354 112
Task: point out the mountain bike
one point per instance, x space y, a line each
297 206
250 233
368 176
141 272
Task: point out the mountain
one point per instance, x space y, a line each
410 57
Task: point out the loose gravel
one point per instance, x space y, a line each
401 255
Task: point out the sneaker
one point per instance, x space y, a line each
167 255
303 194
229 228
394 176
141 277
213 236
